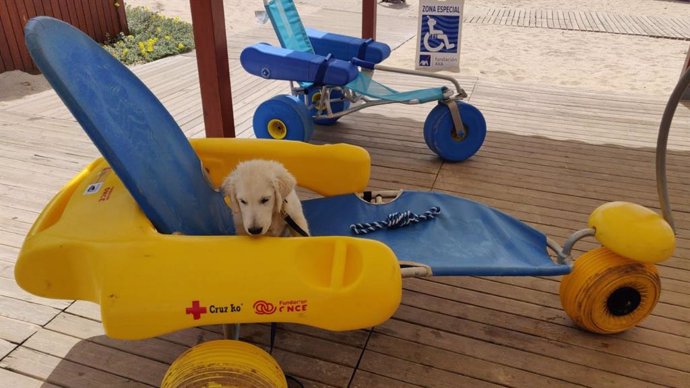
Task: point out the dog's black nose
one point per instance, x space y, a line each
255 230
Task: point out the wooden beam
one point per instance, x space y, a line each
686 66
369 19
208 21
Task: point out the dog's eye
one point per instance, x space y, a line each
264 200
243 202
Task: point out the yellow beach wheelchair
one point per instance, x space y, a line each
144 233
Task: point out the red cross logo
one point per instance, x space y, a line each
196 310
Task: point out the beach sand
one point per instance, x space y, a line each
548 57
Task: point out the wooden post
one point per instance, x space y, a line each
369 19
208 21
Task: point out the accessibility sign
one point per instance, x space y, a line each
438 35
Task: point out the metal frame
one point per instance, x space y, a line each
662 144
360 101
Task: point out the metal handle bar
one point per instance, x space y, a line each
662 144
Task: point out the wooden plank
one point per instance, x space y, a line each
657 31
534 314
5 54
16 331
85 14
109 17
5 348
25 311
61 372
10 289
582 21
495 13
14 379
514 349
73 15
364 379
98 29
96 356
456 362
668 27
556 19
122 25
100 10
77 15
15 16
65 12
39 8
410 372
55 9
683 25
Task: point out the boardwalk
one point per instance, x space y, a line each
551 156
656 27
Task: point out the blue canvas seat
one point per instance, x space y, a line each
466 238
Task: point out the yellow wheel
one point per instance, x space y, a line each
316 101
224 363
607 293
277 129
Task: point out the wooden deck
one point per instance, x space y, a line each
573 20
551 156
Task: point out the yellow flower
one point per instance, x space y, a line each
168 37
180 46
125 51
149 46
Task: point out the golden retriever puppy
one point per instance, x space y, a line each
262 196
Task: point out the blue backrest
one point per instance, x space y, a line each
288 25
137 136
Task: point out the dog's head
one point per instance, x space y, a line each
256 190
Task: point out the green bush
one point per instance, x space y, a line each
152 36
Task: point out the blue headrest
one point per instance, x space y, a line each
134 132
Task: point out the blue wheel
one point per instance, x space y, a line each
283 117
440 137
314 96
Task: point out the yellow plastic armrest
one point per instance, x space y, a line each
326 169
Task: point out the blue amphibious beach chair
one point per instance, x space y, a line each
332 75
145 233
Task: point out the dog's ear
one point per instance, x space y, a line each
284 183
228 190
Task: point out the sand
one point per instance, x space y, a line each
585 60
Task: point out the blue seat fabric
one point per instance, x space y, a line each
466 238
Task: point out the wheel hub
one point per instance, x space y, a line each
623 301
277 129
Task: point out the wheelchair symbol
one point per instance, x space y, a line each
436 34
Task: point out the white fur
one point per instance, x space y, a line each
257 190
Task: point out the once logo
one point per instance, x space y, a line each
262 307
